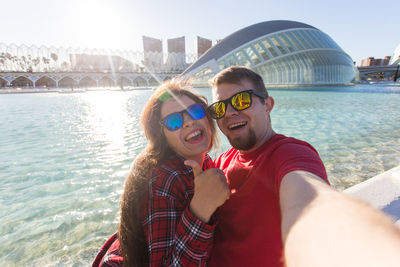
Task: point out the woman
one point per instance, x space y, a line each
166 215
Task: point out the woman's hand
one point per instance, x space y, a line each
211 190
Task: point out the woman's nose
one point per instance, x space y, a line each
187 120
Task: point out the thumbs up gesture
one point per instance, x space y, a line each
210 191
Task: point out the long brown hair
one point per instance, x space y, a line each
131 235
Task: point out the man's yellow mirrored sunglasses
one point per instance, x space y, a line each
239 101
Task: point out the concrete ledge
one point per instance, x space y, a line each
382 192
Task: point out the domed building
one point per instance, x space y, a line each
284 53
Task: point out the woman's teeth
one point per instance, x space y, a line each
193 135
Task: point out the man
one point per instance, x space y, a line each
282 209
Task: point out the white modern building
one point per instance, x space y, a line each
395 59
282 52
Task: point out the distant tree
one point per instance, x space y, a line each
45 60
54 56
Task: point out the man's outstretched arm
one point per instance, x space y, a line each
323 227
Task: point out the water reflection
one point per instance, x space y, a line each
107 117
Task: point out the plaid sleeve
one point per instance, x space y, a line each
174 235
109 254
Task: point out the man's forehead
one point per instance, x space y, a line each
225 90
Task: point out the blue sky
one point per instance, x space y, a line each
361 28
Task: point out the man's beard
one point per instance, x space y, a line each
244 143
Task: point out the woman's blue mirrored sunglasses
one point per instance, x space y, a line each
174 121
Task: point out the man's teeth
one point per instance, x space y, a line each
235 125
194 134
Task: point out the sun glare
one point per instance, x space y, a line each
99 24
107 118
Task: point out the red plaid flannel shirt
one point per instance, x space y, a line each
175 237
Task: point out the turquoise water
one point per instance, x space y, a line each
64 157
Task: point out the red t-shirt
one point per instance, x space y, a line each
248 231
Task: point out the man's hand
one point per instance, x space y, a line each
323 227
211 190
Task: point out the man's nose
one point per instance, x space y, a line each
230 110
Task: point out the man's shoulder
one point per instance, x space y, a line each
284 144
281 150
280 143
290 154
